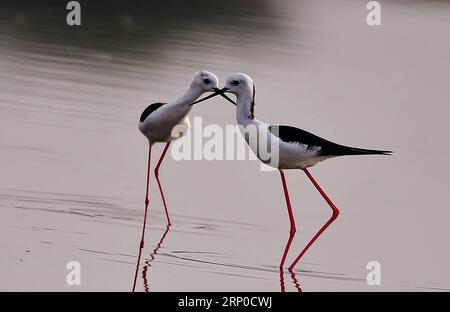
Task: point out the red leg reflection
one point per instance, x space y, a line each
148 263
296 283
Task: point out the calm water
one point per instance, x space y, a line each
72 161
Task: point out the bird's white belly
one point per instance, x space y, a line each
283 155
296 156
163 130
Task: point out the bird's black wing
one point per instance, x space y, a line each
327 148
150 109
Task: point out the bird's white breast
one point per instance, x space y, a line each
166 124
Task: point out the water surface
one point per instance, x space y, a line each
72 161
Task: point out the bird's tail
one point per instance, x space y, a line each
346 150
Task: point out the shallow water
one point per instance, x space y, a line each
72 161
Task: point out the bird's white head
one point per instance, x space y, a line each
204 81
239 84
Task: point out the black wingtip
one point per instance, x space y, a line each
382 152
361 151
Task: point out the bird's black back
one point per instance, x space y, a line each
327 148
150 109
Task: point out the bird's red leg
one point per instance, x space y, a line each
291 219
146 194
159 183
324 227
141 245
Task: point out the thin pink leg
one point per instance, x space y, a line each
291 219
324 227
141 245
159 183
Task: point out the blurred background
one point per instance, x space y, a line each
73 162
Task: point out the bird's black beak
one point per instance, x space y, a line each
217 91
222 93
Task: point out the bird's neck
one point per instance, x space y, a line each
188 97
245 109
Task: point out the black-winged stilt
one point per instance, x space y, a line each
157 123
297 149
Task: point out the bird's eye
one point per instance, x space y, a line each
235 82
206 81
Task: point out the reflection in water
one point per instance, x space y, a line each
138 261
135 29
282 280
294 281
101 212
148 264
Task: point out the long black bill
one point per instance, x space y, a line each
222 93
217 91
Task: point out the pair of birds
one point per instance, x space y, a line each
295 148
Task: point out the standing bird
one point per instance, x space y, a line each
165 122
294 148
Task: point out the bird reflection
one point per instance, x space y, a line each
141 246
294 281
283 289
148 263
